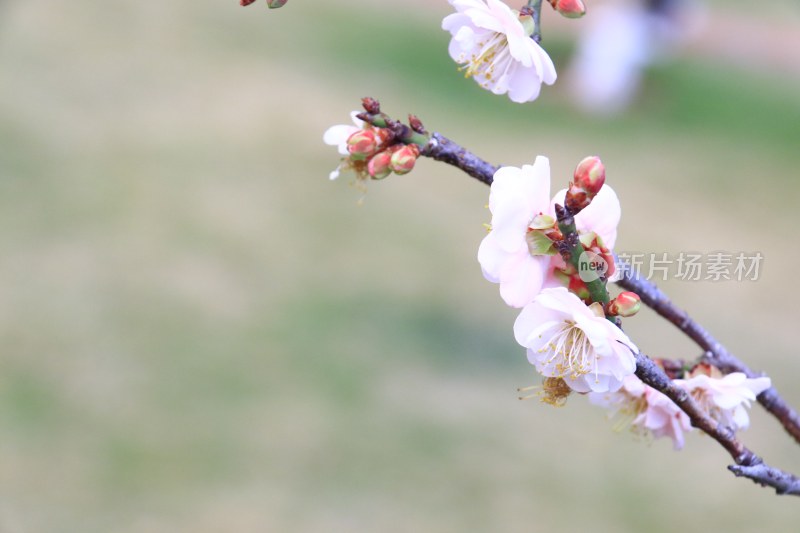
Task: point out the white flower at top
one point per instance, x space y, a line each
727 398
496 49
646 410
566 339
517 197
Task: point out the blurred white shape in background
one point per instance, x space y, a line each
620 40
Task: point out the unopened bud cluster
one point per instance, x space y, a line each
370 146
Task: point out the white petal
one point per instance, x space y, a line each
537 185
338 135
491 257
531 324
524 85
521 279
602 216
510 208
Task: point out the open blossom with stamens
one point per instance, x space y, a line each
645 410
507 255
566 339
724 398
493 44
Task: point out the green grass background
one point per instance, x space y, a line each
202 333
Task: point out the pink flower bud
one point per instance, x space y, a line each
274 4
590 175
362 144
378 166
570 8
246 2
403 159
626 304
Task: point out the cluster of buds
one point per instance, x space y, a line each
377 145
589 177
370 148
571 9
272 4
596 262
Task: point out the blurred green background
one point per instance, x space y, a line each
202 333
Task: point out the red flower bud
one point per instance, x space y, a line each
371 105
569 8
246 2
626 304
378 166
403 160
362 144
590 175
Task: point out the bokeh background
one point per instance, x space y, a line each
201 333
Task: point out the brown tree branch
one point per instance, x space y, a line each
748 464
443 149
715 352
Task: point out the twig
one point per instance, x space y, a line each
443 149
748 464
716 353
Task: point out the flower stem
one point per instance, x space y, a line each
536 6
572 251
402 132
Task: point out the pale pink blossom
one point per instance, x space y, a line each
566 339
495 48
647 411
725 399
517 196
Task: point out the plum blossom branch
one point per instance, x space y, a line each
748 464
715 352
443 149
435 145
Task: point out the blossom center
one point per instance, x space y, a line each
572 355
492 52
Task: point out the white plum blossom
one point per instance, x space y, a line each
566 339
518 195
495 48
647 411
726 398
337 136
